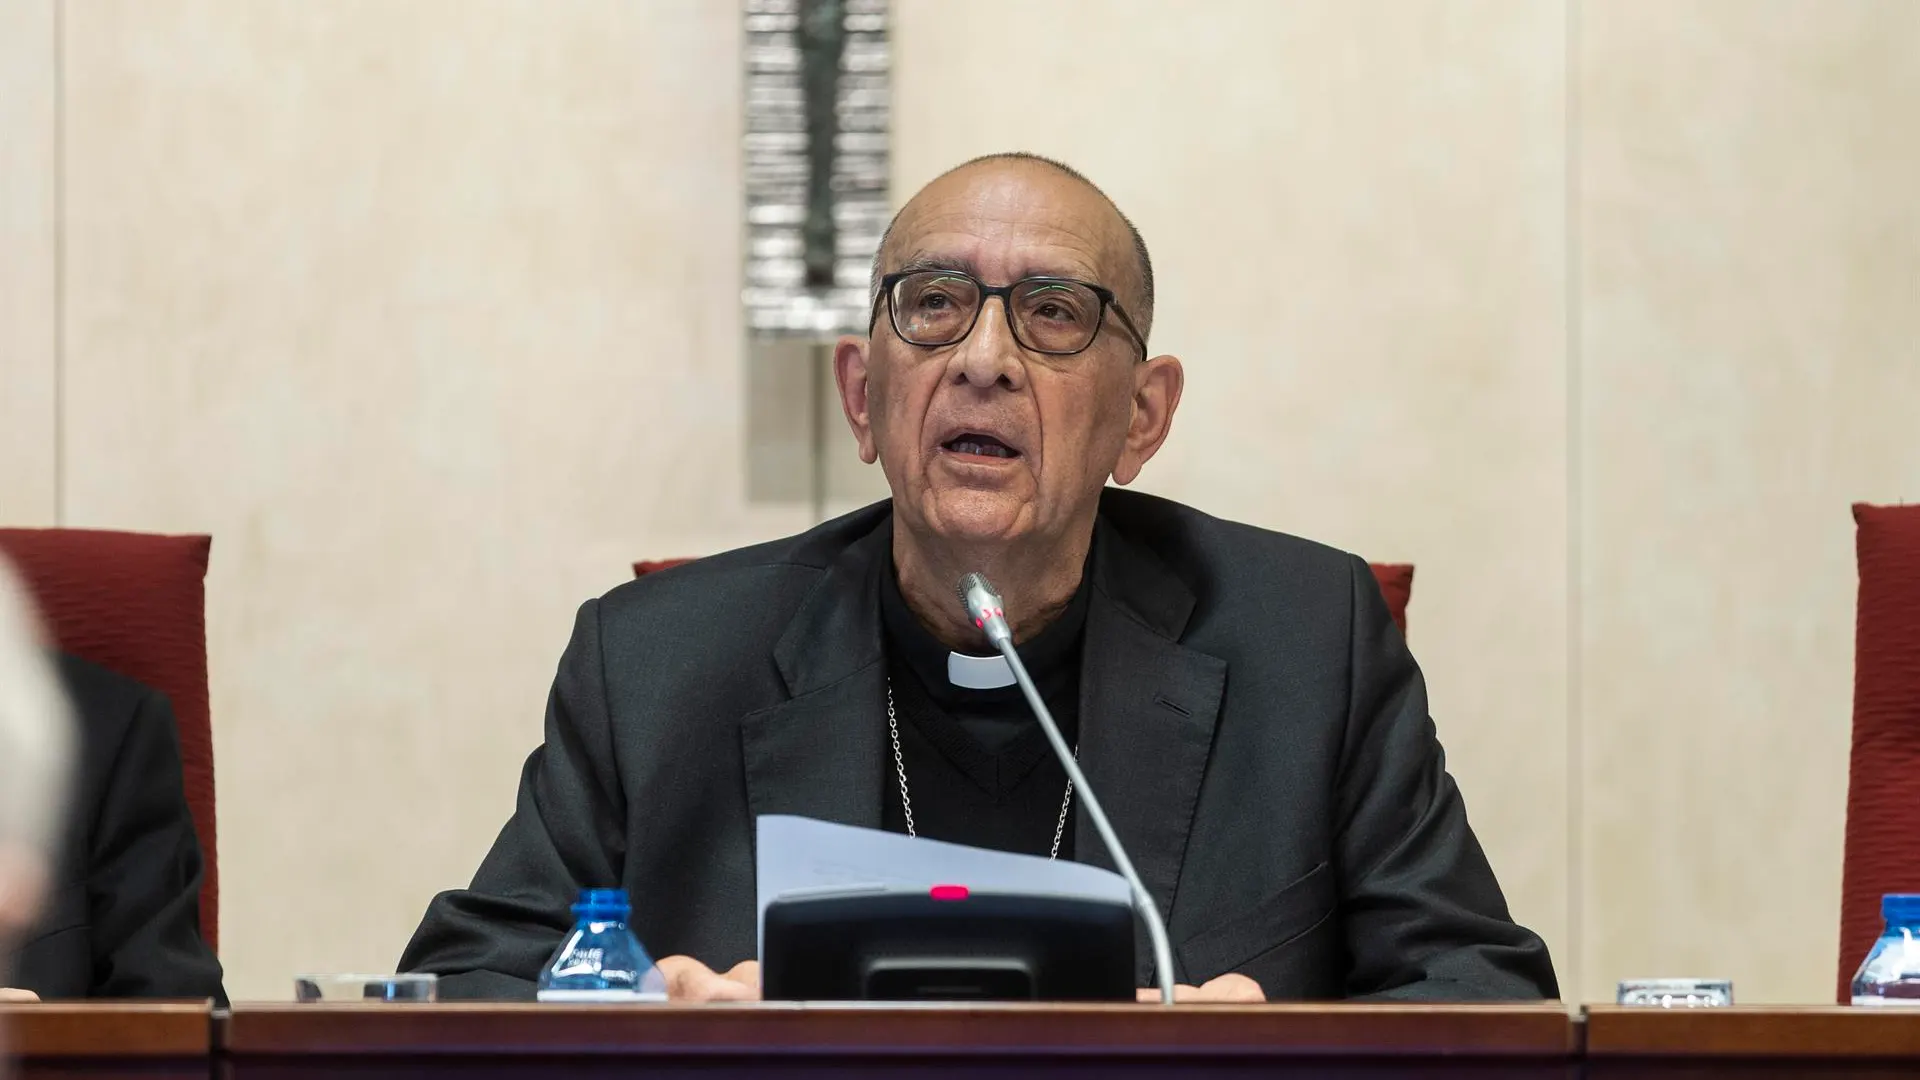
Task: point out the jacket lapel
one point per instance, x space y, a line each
1148 706
818 754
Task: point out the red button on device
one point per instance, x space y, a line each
948 892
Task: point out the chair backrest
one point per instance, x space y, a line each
1883 777
1396 583
135 603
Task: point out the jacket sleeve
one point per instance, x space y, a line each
491 939
144 869
1424 917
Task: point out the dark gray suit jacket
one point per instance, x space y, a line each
1249 714
123 919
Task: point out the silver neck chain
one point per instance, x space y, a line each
906 799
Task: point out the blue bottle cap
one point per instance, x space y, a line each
1901 909
603 905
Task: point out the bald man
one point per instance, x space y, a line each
1240 699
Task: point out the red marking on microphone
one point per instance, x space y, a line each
948 892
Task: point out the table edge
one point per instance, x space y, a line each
1506 1032
63 1029
1756 1031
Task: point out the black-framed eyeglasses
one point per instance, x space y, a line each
1052 315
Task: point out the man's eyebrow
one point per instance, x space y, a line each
1073 273
924 261
921 260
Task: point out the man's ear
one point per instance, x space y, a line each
851 373
1156 394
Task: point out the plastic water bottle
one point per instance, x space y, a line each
601 960
1891 973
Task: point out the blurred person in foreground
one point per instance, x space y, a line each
35 741
1246 709
118 881
123 918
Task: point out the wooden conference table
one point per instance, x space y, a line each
286 1041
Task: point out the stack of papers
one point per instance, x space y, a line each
799 856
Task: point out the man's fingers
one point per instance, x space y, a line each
1231 987
23 882
726 989
746 973
11 995
689 980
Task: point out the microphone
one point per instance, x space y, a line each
988 613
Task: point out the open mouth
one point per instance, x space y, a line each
979 446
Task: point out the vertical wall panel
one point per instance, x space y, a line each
1749 329
429 313
28 174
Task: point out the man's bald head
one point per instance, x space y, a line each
1136 295
997 448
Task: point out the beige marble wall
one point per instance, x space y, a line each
1749 271
1357 217
28 368
428 312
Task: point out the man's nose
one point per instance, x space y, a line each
990 356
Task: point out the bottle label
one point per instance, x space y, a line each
614 996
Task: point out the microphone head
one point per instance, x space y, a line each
984 606
969 582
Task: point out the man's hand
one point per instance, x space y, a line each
1234 988
689 980
10 996
23 884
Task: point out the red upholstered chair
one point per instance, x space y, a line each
647 566
1883 782
136 604
1396 583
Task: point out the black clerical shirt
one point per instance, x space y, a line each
979 770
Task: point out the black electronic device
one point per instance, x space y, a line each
946 944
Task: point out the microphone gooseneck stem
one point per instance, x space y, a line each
1142 900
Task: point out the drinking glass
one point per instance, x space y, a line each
1676 993
333 989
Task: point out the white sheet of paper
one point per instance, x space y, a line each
797 854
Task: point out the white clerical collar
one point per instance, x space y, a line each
978 672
